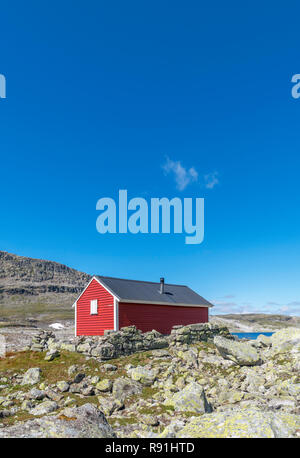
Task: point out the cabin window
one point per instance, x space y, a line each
94 307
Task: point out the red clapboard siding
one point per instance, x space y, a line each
160 317
94 325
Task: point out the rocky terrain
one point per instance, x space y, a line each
33 289
197 382
255 322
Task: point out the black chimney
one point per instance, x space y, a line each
162 285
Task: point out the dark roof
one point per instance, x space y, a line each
146 291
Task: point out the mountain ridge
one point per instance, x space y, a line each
30 286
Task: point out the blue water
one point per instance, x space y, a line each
251 335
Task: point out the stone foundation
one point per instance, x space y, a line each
128 340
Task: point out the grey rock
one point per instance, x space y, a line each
79 377
86 421
32 376
51 355
190 399
109 367
36 394
124 387
63 386
44 408
243 423
241 353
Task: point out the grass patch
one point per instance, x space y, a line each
52 371
136 359
156 410
124 421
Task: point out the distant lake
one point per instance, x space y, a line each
251 335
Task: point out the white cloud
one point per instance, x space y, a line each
183 177
211 180
225 307
292 308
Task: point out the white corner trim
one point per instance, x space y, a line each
116 315
75 304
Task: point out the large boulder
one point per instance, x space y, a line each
247 423
36 394
143 375
240 353
124 388
85 421
263 341
285 340
191 399
44 408
106 351
108 406
32 376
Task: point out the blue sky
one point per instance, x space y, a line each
163 99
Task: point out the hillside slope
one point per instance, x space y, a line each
255 322
38 289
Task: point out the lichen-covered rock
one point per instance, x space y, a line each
264 341
172 429
190 356
143 375
86 421
32 376
109 367
285 340
51 355
248 423
53 395
124 387
72 369
104 385
84 348
68 346
27 405
44 408
289 387
108 406
106 351
241 353
36 394
191 399
63 386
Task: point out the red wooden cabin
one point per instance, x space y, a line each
111 303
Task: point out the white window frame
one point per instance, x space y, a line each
94 307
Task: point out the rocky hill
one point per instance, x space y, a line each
37 289
255 322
